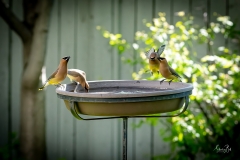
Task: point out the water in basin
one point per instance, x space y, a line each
123 90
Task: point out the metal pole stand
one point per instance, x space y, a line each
125 128
73 108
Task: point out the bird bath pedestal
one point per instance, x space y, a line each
125 99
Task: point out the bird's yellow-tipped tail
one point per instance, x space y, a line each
45 85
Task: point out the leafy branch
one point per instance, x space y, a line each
215 105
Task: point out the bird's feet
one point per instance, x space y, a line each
146 71
73 82
75 90
170 81
59 85
162 81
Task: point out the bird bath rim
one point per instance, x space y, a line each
146 89
156 99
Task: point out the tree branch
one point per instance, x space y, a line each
38 48
14 23
206 116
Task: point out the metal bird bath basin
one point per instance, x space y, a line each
125 99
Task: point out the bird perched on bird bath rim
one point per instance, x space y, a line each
153 59
59 75
166 71
79 77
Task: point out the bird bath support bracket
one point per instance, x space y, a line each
73 109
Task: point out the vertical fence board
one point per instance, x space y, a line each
199 9
84 35
116 136
116 139
126 28
99 140
4 79
115 28
100 62
160 146
83 51
164 7
67 23
179 6
234 7
143 14
100 52
82 140
52 102
16 60
96 55
127 20
220 9
143 134
131 139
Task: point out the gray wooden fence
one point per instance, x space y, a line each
73 32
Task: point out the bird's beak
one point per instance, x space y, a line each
152 58
86 89
67 59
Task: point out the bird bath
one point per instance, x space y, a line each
125 99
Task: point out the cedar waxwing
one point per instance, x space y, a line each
59 75
166 71
153 58
79 77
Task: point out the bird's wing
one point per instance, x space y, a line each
72 73
160 50
53 74
77 74
174 72
84 74
147 54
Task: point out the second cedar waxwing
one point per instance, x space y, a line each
166 71
59 75
153 58
79 77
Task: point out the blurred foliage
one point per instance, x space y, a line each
213 116
11 150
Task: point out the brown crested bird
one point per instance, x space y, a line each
153 59
59 75
79 77
166 71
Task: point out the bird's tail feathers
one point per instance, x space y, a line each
178 77
45 85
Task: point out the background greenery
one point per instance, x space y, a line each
213 116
